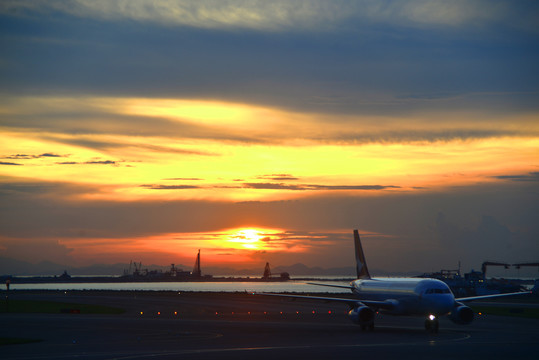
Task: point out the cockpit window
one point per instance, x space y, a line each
437 291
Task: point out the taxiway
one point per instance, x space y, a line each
232 326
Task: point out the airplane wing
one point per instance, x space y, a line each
471 298
386 305
332 285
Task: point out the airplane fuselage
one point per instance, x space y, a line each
431 298
410 296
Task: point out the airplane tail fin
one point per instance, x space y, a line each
361 264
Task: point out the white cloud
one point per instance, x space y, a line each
285 15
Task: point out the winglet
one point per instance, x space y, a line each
361 264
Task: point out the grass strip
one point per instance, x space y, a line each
524 312
54 307
15 341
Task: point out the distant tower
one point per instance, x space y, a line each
267 272
196 270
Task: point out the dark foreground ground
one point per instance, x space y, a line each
243 326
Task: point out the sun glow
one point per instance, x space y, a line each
251 239
130 149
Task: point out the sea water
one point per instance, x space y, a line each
300 286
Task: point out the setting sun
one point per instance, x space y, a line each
247 238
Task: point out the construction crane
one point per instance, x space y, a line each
267 272
491 263
518 266
525 264
197 273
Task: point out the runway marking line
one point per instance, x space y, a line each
298 347
464 337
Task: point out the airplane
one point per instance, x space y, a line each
431 298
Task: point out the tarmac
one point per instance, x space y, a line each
244 326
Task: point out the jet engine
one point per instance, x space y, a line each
362 315
461 314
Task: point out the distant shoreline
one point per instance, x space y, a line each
121 279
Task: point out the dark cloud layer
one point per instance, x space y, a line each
26 156
533 176
92 162
348 68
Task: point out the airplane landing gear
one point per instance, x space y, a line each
431 324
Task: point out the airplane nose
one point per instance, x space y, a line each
447 304
441 304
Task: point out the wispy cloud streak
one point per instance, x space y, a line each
532 176
284 15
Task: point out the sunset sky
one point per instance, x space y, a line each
268 130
